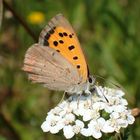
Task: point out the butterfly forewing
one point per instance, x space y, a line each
59 35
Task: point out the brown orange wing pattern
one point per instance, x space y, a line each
59 34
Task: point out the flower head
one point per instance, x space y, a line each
36 17
104 111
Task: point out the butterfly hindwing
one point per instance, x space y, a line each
59 35
45 65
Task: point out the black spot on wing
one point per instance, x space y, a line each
75 58
51 31
61 41
65 34
55 43
71 47
60 34
58 50
70 36
46 43
47 36
78 66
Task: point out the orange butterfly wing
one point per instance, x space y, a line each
58 34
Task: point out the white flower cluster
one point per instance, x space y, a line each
105 111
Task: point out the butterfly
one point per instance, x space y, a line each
57 60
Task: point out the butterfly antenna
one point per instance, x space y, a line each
110 82
114 84
102 93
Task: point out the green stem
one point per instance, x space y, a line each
20 19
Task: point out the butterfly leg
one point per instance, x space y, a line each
62 99
78 99
87 91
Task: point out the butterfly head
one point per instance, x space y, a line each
82 87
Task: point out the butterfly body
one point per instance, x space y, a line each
57 61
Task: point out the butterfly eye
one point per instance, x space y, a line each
90 80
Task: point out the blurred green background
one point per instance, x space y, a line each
109 32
